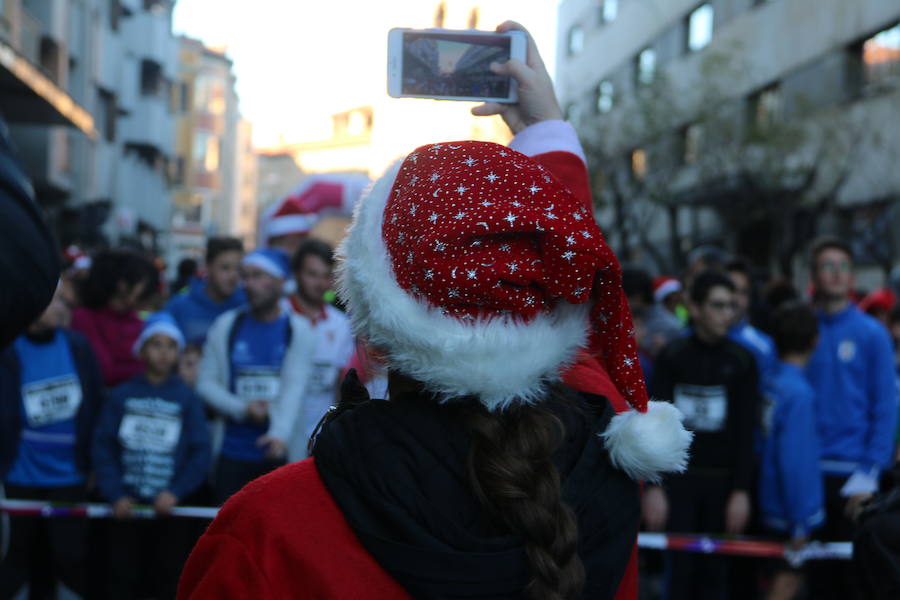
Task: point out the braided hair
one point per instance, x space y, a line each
512 475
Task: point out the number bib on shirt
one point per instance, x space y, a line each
157 433
53 401
322 377
258 384
704 407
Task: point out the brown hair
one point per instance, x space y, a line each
512 474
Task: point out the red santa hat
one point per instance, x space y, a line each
288 218
478 273
664 286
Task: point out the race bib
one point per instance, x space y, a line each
704 407
258 384
156 433
53 401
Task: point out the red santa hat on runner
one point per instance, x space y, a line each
287 219
663 287
479 273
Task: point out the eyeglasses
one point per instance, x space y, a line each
719 306
831 267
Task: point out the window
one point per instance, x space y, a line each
609 10
108 114
765 108
184 96
50 57
151 78
206 152
576 40
881 55
700 28
115 13
605 96
646 66
178 170
692 138
209 95
639 164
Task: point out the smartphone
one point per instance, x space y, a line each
445 64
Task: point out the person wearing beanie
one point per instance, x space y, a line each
253 375
480 274
51 392
152 447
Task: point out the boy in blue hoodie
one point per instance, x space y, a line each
151 447
209 298
791 489
852 373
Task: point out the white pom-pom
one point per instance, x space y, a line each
645 445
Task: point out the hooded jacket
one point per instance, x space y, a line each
195 311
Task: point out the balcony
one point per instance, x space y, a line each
150 125
149 36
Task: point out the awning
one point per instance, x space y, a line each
29 96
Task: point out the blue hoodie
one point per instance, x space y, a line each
791 491
195 311
760 345
852 373
149 439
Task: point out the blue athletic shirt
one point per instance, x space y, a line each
791 490
256 358
51 396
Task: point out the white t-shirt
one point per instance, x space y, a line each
334 347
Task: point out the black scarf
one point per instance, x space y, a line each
397 470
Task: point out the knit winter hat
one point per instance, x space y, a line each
273 261
159 323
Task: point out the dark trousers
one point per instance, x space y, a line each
44 550
834 579
233 474
697 505
145 557
876 554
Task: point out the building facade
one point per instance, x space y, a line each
215 165
755 124
105 180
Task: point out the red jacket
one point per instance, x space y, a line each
112 336
283 536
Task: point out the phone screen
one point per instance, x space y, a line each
446 64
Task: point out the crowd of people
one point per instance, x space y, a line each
519 451
792 398
126 392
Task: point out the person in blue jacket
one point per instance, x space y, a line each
791 489
51 391
151 447
852 373
758 343
207 299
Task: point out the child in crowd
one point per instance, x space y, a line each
791 492
151 446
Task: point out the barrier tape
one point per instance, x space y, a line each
702 544
746 546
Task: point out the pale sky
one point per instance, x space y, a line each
299 61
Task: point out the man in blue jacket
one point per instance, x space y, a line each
151 446
50 395
207 299
852 372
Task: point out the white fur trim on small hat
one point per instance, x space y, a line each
501 360
645 445
160 327
258 259
289 224
670 286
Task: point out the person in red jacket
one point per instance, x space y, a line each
480 275
115 286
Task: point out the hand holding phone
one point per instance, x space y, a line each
453 65
537 99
